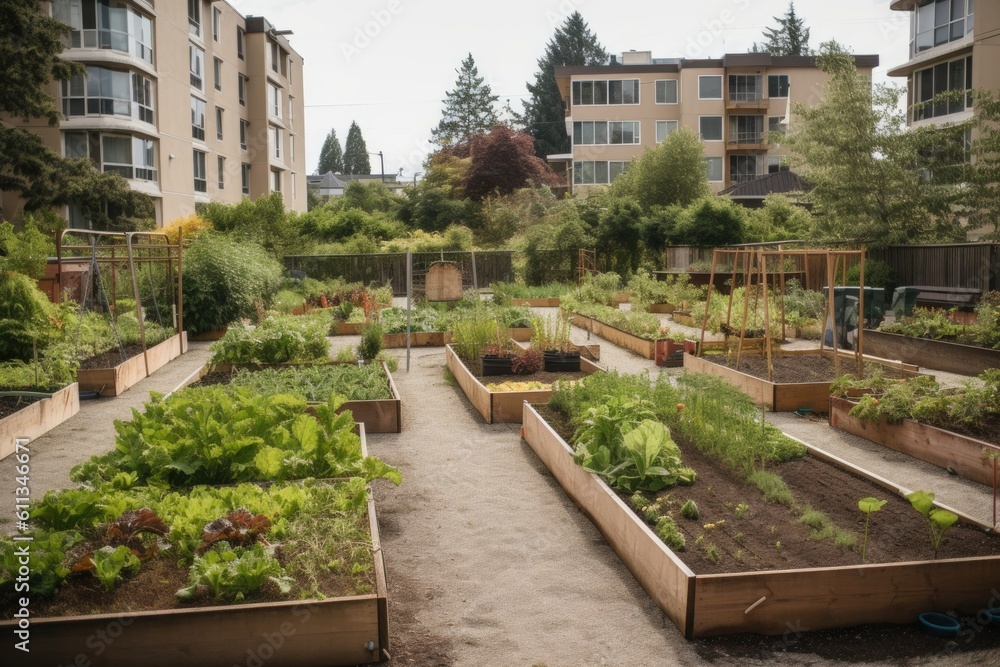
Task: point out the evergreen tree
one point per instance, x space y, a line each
468 109
544 115
331 157
356 152
790 38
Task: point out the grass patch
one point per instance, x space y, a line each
771 486
824 529
449 378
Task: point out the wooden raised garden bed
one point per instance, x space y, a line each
38 418
764 602
114 381
379 416
945 449
500 407
937 354
661 308
422 338
542 302
785 397
214 334
641 346
301 633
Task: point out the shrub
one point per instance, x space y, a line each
224 280
528 362
277 340
24 316
192 225
26 252
371 341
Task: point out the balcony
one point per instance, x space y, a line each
746 100
746 141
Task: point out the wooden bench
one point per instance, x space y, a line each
947 297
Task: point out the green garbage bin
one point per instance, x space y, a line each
903 301
845 312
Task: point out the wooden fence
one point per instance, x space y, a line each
379 269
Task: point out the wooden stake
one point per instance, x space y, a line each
861 317
833 309
708 300
732 286
748 267
767 315
781 261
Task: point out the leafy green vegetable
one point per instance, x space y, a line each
938 520
235 573
868 506
110 562
278 340
318 383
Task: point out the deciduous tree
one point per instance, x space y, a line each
672 173
503 161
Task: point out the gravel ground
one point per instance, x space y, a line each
489 563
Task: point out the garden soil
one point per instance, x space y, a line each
489 563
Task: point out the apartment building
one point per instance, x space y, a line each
735 104
191 102
953 46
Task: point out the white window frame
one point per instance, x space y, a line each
244 133
722 130
194 22
711 76
216 24
245 178
666 124
217 69
789 86
276 139
276 180
196 56
656 91
219 122
204 170
221 162
241 40
242 89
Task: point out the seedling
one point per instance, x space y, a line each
777 545
868 505
738 537
741 510
938 520
690 510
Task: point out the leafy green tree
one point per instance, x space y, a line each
868 173
544 116
672 173
659 226
31 44
789 38
331 156
619 235
778 220
712 221
469 109
356 152
26 252
262 221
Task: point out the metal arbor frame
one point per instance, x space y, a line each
135 245
753 261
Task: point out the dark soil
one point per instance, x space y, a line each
11 404
112 358
215 377
798 368
898 533
475 367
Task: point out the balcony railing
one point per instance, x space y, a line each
743 138
746 96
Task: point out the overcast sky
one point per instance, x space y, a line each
388 63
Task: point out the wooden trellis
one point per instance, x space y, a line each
586 265
750 264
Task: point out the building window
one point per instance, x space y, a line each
291 113
746 129
222 172
197 66
240 36
276 141
775 124
242 85
666 91
937 22
244 131
605 132
954 75
777 85
663 128
710 87
106 24
107 92
194 17
774 164
200 173
743 168
617 91
218 74
291 180
216 24
197 118
131 157
291 147
273 55
245 178
589 172
273 100
275 180
218 123
710 128
713 166
745 88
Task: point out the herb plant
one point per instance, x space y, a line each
938 520
868 506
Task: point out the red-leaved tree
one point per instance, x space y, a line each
503 161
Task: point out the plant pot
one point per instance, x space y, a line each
494 365
562 362
691 346
939 625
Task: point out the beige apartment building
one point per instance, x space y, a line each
191 102
953 46
736 104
